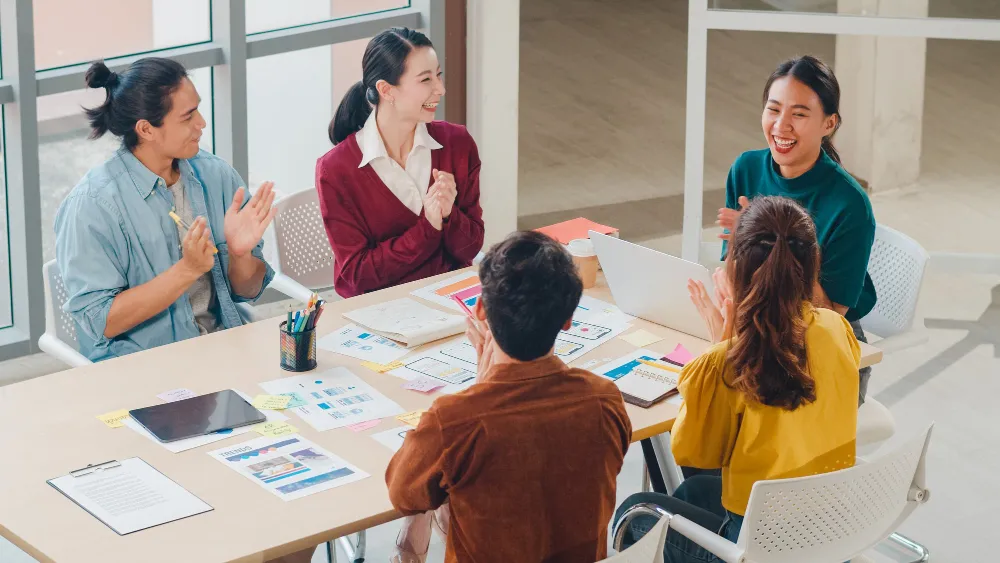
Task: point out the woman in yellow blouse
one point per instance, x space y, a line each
776 396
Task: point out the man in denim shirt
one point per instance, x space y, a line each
136 277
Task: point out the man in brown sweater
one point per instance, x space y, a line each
527 458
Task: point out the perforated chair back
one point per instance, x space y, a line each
57 321
303 250
834 516
896 266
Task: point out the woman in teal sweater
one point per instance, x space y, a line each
801 114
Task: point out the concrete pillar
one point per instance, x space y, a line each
882 97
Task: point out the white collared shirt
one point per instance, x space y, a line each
409 185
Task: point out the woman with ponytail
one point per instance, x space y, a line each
774 398
399 192
160 242
801 114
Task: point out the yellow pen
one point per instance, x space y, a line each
660 366
180 223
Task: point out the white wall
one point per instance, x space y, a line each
493 81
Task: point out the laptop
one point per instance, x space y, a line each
652 285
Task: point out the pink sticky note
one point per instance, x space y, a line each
423 384
679 356
362 426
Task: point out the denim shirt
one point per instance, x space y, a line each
114 232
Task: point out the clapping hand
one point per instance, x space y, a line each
245 224
482 340
729 217
718 317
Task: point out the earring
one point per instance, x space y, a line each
392 102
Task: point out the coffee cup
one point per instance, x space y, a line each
585 258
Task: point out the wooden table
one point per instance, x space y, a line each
51 428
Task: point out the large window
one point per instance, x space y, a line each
970 9
306 87
68 33
268 15
6 297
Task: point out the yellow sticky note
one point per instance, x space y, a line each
271 402
641 338
275 429
382 368
114 419
411 418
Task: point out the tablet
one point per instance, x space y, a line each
197 416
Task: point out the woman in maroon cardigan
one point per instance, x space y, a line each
399 192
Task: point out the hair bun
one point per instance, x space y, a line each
100 76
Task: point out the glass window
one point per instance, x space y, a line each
6 297
267 15
307 87
911 9
68 33
66 154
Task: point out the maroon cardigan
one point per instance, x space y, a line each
377 241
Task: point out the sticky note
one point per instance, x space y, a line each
423 384
679 356
382 368
176 395
640 338
294 400
275 429
362 426
114 419
271 402
411 418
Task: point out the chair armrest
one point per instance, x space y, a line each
286 285
62 351
713 542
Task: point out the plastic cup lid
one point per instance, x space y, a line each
581 247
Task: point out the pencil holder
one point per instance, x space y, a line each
298 349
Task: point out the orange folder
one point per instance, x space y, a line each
576 228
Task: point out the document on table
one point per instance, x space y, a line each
595 322
407 321
129 495
334 398
393 438
362 344
290 467
197 441
465 285
640 383
452 363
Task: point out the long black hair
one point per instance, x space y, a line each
384 59
140 92
820 79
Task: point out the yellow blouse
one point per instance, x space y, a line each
721 427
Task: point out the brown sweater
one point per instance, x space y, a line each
528 461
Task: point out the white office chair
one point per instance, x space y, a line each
59 340
896 266
305 259
649 548
826 518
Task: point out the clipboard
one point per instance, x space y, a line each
129 495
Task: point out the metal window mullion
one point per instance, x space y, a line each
229 85
432 18
332 32
694 137
22 175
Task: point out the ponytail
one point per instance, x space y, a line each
830 150
100 76
352 112
384 60
774 263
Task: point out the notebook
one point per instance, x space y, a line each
408 322
647 385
